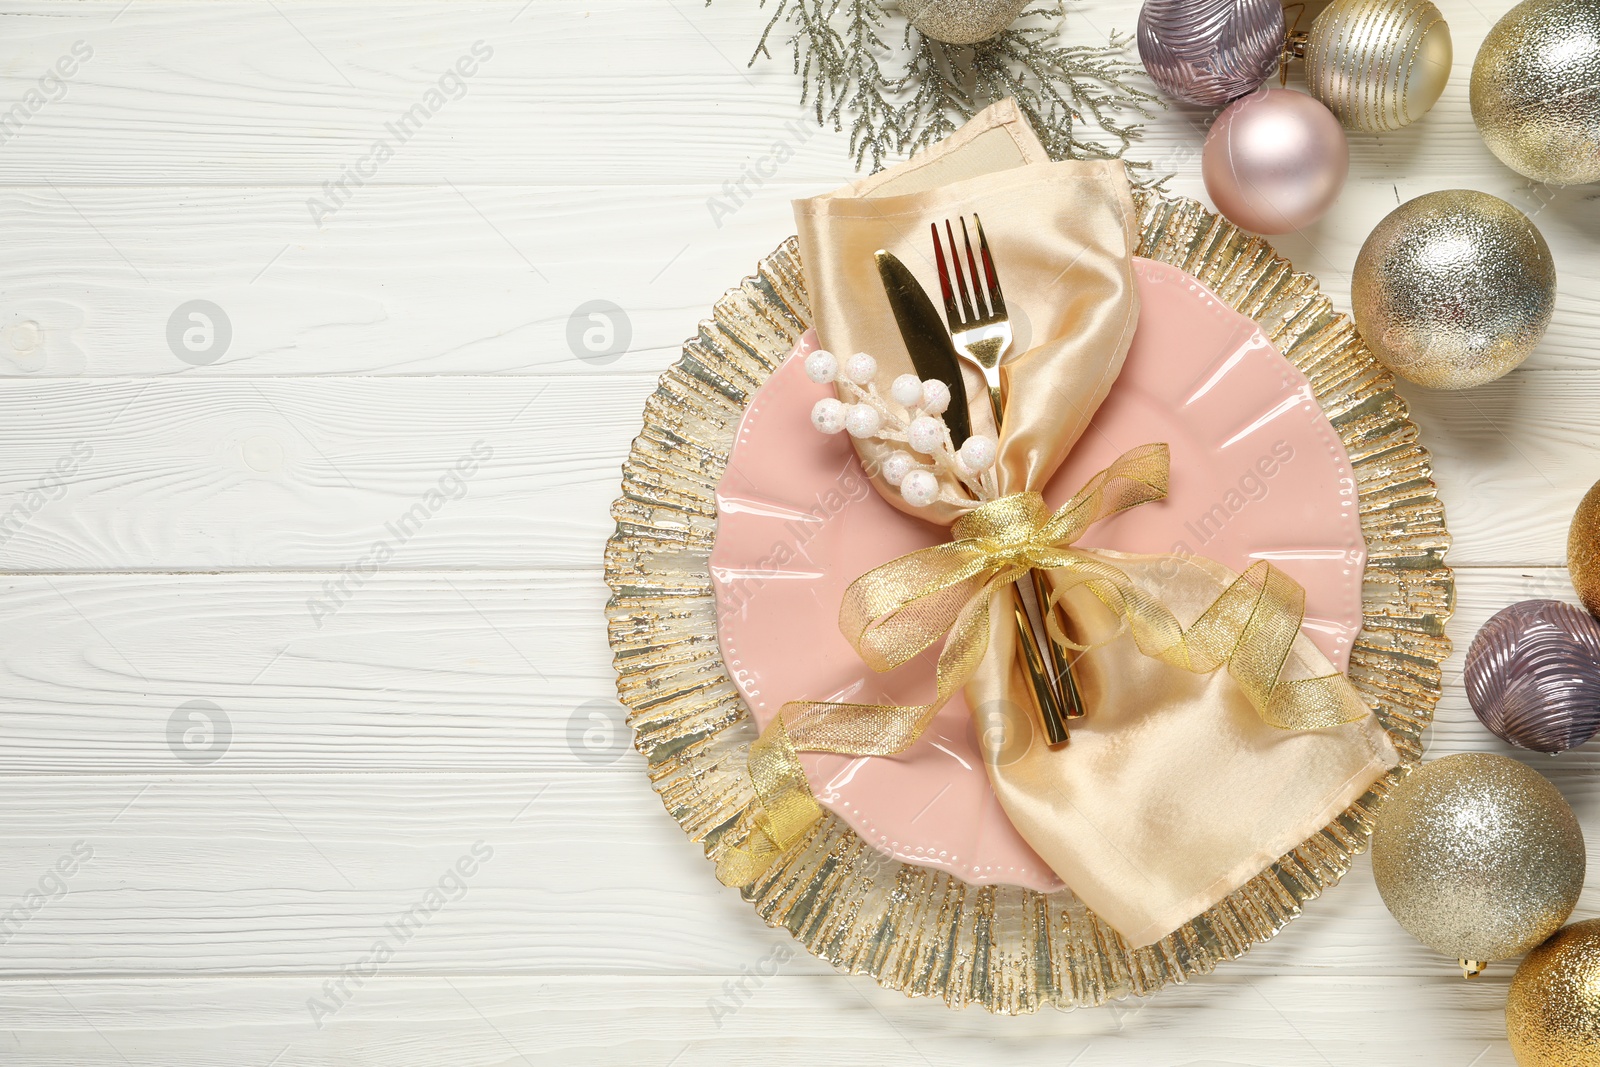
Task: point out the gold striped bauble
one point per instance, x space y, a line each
1378 64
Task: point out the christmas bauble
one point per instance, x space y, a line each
1536 90
1553 1010
1533 675
1478 856
1210 51
1583 549
961 21
1453 289
1378 64
1275 161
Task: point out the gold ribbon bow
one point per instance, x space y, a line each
894 612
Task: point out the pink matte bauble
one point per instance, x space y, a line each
1275 160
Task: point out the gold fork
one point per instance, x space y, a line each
980 328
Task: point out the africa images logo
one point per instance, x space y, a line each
802 529
450 85
451 485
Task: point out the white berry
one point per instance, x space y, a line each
920 488
925 433
977 453
827 415
822 366
935 397
861 368
862 420
906 390
896 465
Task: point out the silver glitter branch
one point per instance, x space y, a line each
870 109
1082 99
939 101
1063 88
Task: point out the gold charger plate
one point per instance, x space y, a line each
919 930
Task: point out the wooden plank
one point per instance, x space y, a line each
442 279
473 279
1512 459
217 474
448 699
273 857
570 873
629 92
306 473
575 870
563 92
469 672
791 1019
411 672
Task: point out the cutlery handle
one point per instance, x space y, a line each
1055 689
1060 662
1044 692
997 400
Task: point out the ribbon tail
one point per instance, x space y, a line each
1251 627
784 810
1314 704
1274 611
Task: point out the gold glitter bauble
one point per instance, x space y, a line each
1478 856
961 21
1553 1011
1453 289
1378 64
1583 549
1536 90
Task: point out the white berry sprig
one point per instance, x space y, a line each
912 419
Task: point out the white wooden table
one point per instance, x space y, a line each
199 519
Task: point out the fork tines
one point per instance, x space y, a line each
964 306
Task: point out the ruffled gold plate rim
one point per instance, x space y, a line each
918 930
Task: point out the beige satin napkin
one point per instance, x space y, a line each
1174 791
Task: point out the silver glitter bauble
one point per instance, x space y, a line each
1453 289
961 21
1210 51
1478 856
1536 90
1378 64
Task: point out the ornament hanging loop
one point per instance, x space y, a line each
1294 43
1472 968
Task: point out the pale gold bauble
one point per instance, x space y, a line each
1453 289
1553 1011
1378 64
1536 90
1478 856
1583 549
961 21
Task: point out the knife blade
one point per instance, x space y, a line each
928 342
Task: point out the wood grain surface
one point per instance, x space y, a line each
255 754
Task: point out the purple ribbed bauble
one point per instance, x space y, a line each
1210 51
1533 675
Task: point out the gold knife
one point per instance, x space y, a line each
932 352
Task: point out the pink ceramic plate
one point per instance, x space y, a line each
1257 473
